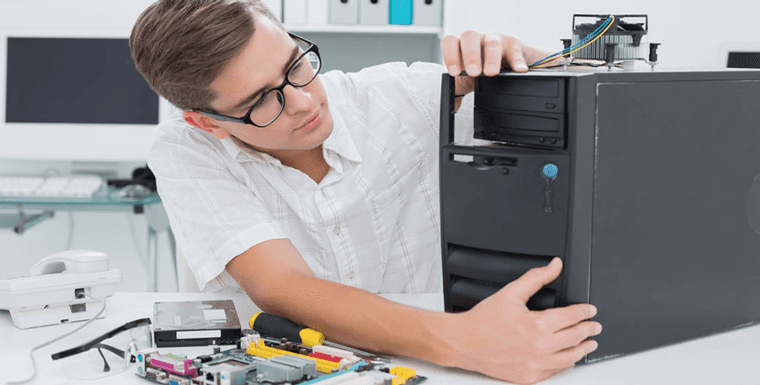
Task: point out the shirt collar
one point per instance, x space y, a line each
241 154
339 142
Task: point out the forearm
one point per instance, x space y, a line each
277 279
358 318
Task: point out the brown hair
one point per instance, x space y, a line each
180 46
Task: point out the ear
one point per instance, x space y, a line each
204 123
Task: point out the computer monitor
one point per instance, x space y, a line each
739 55
74 94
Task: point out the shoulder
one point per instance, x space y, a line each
176 144
388 78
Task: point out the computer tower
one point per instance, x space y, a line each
645 183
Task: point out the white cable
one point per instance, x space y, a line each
56 339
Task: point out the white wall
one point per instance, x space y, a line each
691 33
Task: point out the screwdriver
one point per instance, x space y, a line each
279 327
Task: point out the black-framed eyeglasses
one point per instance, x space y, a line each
88 361
270 105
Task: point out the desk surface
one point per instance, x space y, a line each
727 358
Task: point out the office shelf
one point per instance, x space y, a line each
365 29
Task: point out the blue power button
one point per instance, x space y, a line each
550 170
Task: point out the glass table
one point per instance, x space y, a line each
30 211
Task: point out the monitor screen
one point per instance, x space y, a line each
743 60
75 80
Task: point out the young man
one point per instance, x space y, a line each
314 193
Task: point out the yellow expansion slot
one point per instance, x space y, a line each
264 351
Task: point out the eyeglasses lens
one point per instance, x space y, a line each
302 73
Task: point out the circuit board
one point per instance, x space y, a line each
258 362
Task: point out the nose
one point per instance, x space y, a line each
297 99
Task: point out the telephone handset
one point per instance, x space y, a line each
62 287
71 261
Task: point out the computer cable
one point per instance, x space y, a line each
593 36
582 64
596 34
56 339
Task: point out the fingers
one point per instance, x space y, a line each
452 56
474 53
472 59
575 335
514 53
563 317
533 280
568 357
492 54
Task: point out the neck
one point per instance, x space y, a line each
310 162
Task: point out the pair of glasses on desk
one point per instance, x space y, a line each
109 354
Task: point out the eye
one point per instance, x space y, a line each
298 65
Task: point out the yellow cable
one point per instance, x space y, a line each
577 49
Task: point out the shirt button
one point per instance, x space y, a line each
300 182
336 230
350 275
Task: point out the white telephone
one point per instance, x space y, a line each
60 289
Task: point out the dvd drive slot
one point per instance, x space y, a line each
520 121
531 94
530 128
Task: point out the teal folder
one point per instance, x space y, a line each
401 12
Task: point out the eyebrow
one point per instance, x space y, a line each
261 90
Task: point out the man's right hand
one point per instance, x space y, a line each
501 338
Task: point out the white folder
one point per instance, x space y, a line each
294 11
427 12
373 12
344 11
317 12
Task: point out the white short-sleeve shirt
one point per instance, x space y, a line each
373 222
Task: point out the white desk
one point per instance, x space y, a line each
728 358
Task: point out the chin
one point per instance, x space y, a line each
321 132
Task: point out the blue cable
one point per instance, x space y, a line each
592 35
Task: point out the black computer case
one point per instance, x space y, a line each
645 183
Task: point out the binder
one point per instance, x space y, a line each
344 11
275 6
374 12
317 12
427 12
401 12
294 11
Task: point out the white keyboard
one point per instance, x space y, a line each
72 186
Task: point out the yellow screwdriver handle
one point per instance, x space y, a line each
278 327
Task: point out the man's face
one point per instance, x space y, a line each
305 121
